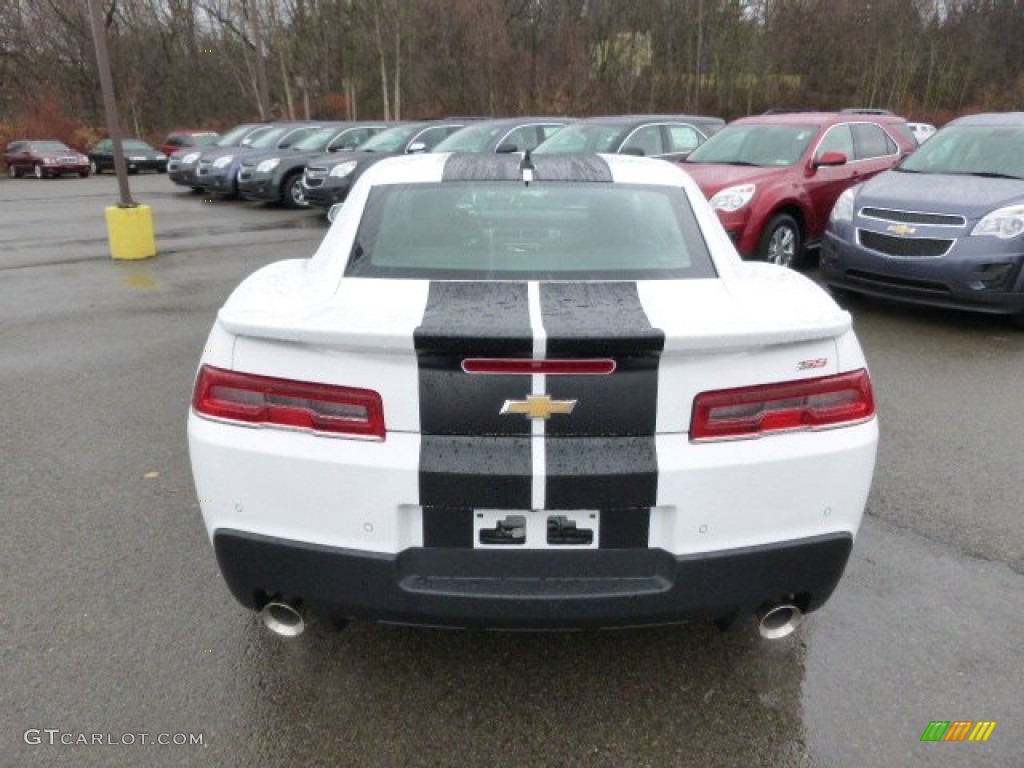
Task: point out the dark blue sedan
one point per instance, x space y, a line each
944 228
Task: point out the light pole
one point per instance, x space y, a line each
129 225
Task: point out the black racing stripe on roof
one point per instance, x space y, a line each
489 167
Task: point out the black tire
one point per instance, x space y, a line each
13 172
83 174
291 191
38 172
781 242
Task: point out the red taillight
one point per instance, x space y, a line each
264 400
793 405
520 366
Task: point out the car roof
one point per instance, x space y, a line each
816 118
640 119
510 121
991 118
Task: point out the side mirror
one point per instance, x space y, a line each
507 148
334 211
417 146
830 158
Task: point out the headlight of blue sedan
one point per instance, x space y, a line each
223 162
1004 223
266 166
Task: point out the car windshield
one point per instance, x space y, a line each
583 137
760 145
269 139
317 140
473 138
234 137
135 144
205 138
503 230
49 146
984 150
391 140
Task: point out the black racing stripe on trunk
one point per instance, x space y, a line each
475 472
471 319
598 319
587 320
485 167
603 455
471 456
600 472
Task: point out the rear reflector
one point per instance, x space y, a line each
519 366
822 403
262 400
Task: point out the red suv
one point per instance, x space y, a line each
773 179
180 139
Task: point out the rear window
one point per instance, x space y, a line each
545 231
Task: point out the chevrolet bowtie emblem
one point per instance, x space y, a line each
901 229
537 406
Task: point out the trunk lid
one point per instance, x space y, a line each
410 340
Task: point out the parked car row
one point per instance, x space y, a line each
773 179
942 224
50 158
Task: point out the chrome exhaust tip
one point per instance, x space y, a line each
778 621
284 617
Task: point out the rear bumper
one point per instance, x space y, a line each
531 589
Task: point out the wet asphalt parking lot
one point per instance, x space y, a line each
117 625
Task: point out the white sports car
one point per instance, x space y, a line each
531 393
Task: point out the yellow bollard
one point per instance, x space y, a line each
131 232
